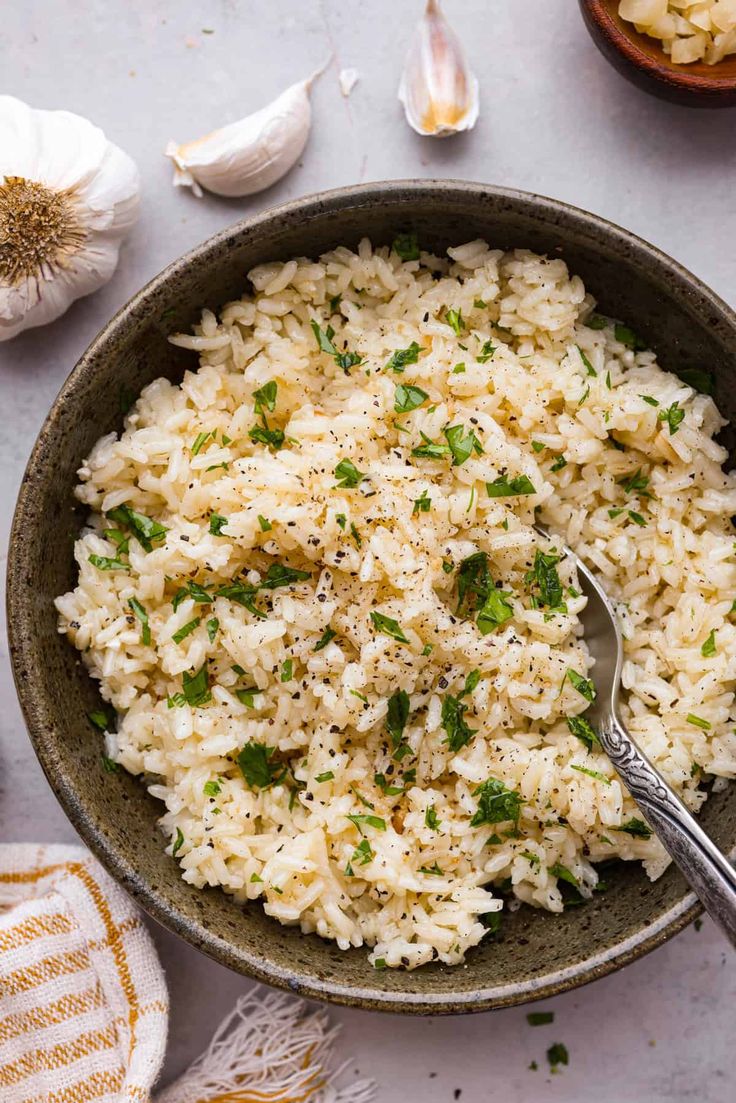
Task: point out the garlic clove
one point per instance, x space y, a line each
438 90
68 196
250 154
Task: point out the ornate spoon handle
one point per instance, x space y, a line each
704 867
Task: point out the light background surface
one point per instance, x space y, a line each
554 119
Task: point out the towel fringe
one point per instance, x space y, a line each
269 1049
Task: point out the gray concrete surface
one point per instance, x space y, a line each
554 119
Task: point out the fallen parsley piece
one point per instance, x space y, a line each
397 716
211 788
348 475
433 871
287 670
698 722
453 722
142 616
408 398
540 1018
559 463
178 843
564 874
502 487
557 1055
388 626
637 518
496 803
257 765
401 357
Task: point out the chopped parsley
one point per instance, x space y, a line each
344 360
649 400
193 590
597 321
462 444
454 318
287 670
537 446
348 475
453 722
559 463
540 1018
408 398
627 337
362 855
200 440
422 504
109 765
397 716
591 773
545 578
486 352
195 687
142 616
328 775
584 730
186 630
637 518
146 531
178 843
264 523
430 449
502 487
636 828
257 765
265 400
434 870
369 821
586 363
496 803
698 722
406 246
106 563
211 788
674 415
431 819
105 721
636 482
478 593
388 626
564 874
217 524
708 649
557 1055
327 635
584 687
401 357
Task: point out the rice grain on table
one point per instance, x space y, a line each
339 652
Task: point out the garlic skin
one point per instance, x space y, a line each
68 196
438 90
251 154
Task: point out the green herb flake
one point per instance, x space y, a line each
462 444
212 626
186 630
557 1055
584 687
195 687
327 635
147 531
614 513
545 578
264 523
564 874
637 518
257 765
432 871
502 487
636 828
408 398
585 731
217 524
142 616
179 842
558 464
431 819
199 441
370 821
348 475
537 446
496 803
401 357
287 670
211 788
586 363
459 369
627 337
597 321
540 1018
698 722
106 563
388 626
486 352
708 649
406 246
422 504
636 483
431 450
454 318
591 773
674 415
102 720
649 400
326 776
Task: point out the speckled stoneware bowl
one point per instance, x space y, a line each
538 954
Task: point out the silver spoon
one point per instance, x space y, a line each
705 868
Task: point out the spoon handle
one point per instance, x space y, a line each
705 868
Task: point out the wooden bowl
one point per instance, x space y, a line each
537 954
643 61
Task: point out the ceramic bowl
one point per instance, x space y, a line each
538 954
642 60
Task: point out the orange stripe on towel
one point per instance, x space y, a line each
35 927
58 965
38 1018
92 1087
57 1057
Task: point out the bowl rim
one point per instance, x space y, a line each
20 626
662 70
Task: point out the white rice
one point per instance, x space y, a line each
412 880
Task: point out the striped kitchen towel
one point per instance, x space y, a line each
84 1007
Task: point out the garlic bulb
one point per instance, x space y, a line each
251 154
438 90
68 196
